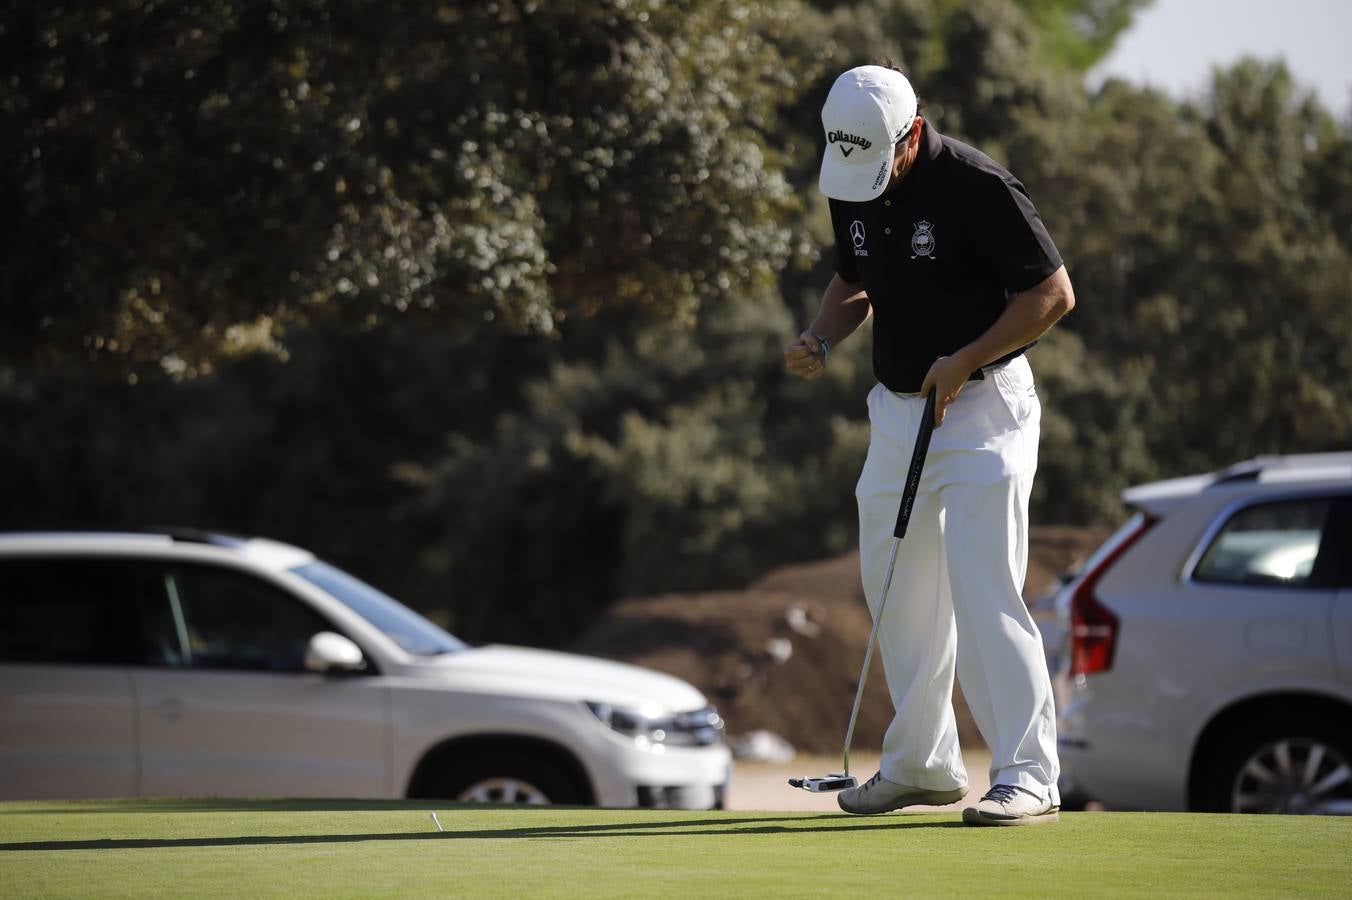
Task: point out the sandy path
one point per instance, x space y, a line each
764 786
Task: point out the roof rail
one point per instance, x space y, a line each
1248 470
175 533
1292 467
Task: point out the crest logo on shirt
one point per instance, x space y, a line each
857 236
922 242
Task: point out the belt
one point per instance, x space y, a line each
979 375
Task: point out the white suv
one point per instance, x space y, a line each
1210 657
193 664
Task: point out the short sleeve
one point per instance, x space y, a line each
1009 233
846 265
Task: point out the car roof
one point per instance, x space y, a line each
1313 470
268 554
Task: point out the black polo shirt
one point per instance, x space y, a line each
940 255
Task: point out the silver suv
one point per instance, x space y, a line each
200 664
1209 658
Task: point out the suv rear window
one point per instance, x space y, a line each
1267 544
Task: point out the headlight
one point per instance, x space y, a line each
688 729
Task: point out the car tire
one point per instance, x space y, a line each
506 778
1281 765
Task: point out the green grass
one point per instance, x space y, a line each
356 848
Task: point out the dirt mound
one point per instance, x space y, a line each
784 654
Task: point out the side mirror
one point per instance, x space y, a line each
332 654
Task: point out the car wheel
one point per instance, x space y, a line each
1285 767
506 779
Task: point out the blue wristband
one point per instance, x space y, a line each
825 346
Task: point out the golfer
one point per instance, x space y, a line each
942 246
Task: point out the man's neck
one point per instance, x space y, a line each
910 164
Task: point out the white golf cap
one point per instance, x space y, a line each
868 110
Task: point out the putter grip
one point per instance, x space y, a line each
922 442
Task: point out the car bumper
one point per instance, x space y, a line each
664 777
1122 761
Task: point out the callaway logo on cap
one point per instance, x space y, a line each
868 110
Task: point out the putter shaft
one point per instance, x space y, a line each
868 653
922 442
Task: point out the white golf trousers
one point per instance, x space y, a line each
956 589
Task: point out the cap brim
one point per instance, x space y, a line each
855 181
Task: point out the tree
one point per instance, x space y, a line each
520 275
1081 32
183 181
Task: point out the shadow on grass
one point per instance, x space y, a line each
228 804
691 828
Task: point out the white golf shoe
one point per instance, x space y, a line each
1006 804
878 795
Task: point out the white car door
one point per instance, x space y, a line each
1340 535
1261 604
67 721
231 709
1342 635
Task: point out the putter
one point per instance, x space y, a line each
839 781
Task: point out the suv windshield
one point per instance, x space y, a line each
399 623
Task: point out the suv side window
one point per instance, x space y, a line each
216 618
1270 544
72 611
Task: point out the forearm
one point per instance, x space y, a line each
844 308
1027 317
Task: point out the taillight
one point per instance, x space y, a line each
1093 627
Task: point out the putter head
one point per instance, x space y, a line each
837 781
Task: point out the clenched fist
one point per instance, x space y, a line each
804 357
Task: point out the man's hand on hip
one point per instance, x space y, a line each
947 376
804 357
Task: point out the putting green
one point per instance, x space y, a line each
356 848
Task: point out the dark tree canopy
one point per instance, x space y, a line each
189 178
486 300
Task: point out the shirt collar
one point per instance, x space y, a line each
931 144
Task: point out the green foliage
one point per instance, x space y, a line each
1092 443
1210 264
200 175
303 451
486 301
1079 33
